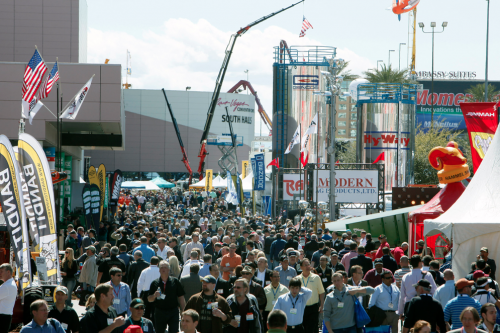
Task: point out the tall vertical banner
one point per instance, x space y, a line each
267 204
116 186
260 173
13 209
244 167
95 204
482 122
41 193
106 191
239 190
101 182
209 175
231 195
254 165
92 175
60 187
68 166
87 203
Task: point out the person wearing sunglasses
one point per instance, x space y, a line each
121 291
386 297
137 317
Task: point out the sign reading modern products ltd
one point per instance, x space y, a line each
351 186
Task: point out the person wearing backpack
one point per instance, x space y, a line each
41 322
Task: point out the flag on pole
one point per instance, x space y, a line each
313 127
231 196
49 82
72 109
380 157
33 74
34 106
295 140
305 26
275 162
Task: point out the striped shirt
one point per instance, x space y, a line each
456 305
398 275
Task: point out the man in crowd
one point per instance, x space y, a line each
346 259
455 306
121 292
388 261
102 317
195 244
447 291
276 247
134 272
108 263
40 323
489 317
147 252
189 321
315 303
293 304
335 263
254 288
386 297
273 291
399 252
229 262
191 283
286 272
361 260
356 280
373 276
269 238
324 272
137 308
263 273
405 269
213 309
484 254
65 315
244 309
162 249
8 294
276 322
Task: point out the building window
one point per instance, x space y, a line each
353 133
341 115
342 123
341 131
342 106
342 98
354 116
353 123
354 108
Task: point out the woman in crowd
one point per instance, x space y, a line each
421 326
69 267
470 319
175 268
90 302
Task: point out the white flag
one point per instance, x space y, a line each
313 129
72 109
231 195
295 140
31 109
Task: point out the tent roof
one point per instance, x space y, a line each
248 183
145 185
162 182
442 201
219 182
477 211
201 183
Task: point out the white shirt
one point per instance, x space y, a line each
8 293
363 242
162 254
407 289
187 266
147 276
262 276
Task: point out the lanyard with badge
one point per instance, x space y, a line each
293 310
116 300
340 303
390 305
305 283
144 328
275 293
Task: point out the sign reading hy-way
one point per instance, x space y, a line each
351 186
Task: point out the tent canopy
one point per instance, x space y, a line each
200 184
248 182
145 185
162 183
474 220
219 182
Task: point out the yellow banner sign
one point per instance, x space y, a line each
208 180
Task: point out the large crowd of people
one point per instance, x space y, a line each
192 262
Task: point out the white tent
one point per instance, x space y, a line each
141 185
201 183
474 220
248 182
219 182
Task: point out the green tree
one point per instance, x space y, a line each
435 137
387 75
347 74
346 151
477 93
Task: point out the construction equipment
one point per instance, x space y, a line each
220 79
174 121
413 31
262 112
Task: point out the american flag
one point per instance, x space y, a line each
33 76
305 25
49 81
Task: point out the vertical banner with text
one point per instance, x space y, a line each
260 173
209 174
244 167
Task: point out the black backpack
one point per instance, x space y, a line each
31 294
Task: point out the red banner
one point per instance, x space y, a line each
482 122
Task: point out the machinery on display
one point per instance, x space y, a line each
218 84
176 127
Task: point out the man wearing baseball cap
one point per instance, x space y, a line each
66 315
213 309
484 255
286 272
456 305
137 308
424 307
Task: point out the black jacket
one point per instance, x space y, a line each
363 261
267 276
338 244
428 309
389 263
256 326
223 287
325 274
366 299
337 267
310 248
292 244
134 272
267 244
370 246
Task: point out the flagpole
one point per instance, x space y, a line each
317 172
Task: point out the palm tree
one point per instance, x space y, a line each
476 93
387 75
346 73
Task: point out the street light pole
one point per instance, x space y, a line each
400 54
487 41
378 62
389 63
433 25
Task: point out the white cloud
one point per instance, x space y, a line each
184 53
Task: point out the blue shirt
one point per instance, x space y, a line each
385 295
326 237
286 276
147 252
276 247
455 306
445 293
122 293
205 270
33 327
286 303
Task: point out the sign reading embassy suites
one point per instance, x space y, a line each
351 186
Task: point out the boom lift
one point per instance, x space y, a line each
184 155
218 84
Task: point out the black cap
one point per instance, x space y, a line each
136 302
422 283
379 261
283 258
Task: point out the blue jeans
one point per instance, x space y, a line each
87 287
351 329
270 264
70 284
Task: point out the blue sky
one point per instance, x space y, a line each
175 44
